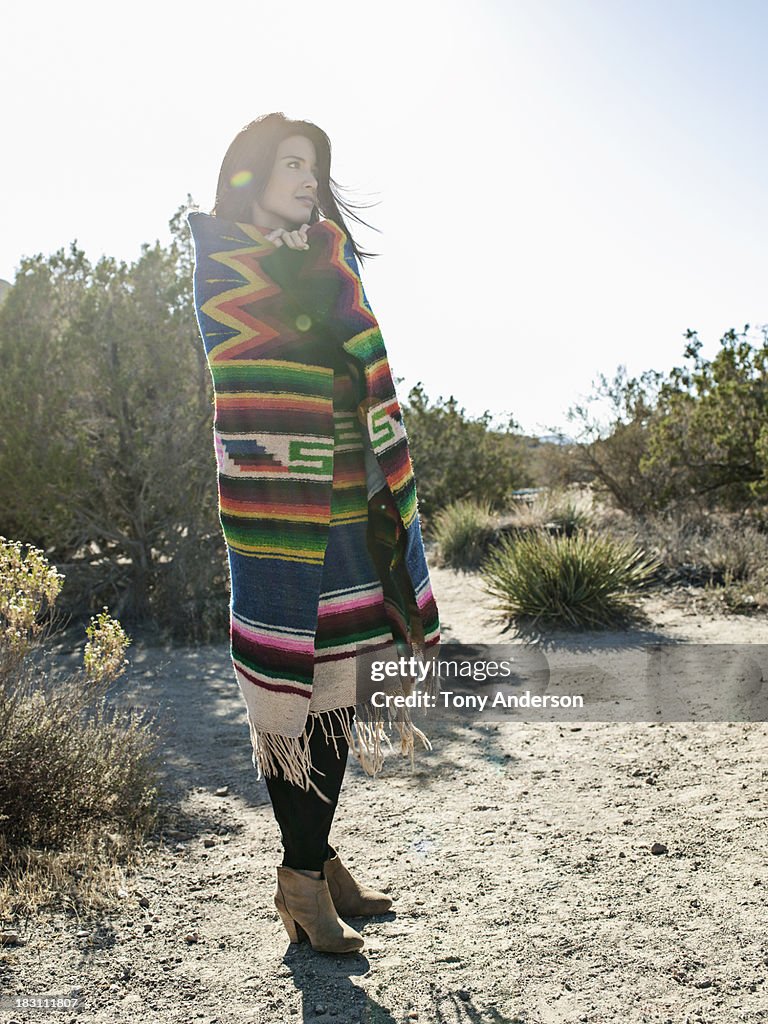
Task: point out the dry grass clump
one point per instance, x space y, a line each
78 778
724 556
464 531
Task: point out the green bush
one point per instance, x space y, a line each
78 778
106 413
458 457
584 580
464 531
694 439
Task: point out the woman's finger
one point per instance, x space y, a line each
291 239
288 238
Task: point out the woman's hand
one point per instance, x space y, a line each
292 239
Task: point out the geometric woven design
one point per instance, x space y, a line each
300 371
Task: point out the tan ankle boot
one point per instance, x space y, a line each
350 897
308 912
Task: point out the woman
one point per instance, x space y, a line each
316 495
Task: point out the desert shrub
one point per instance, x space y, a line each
695 438
464 531
697 549
555 461
458 457
106 458
709 433
584 580
78 777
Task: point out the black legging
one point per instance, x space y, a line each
304 819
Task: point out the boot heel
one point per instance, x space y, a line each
290 925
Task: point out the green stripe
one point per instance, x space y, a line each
250 536
367 347
350 638
264 670
257 373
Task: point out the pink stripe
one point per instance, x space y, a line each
342 604
282 643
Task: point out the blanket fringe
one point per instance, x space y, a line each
366 736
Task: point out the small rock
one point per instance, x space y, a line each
222 791
463 994
191 937
659 848
319 1010
11 939
143 902
209 842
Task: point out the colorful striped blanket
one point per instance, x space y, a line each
319 574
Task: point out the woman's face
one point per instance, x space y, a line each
291 192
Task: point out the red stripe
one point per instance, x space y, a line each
275 687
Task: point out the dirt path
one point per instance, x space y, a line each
518 855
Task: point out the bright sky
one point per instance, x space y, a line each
563 186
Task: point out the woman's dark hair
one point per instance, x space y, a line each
248 163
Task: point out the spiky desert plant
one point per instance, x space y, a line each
584 580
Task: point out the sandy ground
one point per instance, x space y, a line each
518 855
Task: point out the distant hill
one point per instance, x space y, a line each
553 439
5 287
534 440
